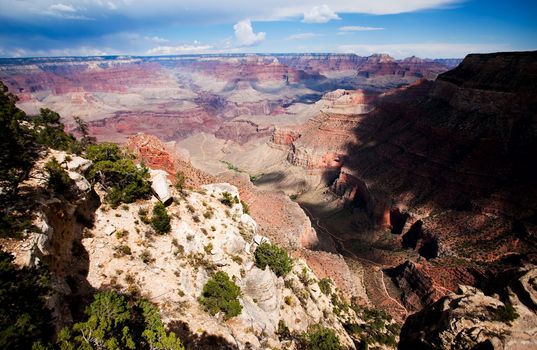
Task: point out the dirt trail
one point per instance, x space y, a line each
374 268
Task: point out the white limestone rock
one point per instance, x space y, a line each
160 185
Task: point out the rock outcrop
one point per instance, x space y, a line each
472 320
417 288
90 246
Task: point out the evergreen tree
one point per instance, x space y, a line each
16 140
24 319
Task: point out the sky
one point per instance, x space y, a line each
400 28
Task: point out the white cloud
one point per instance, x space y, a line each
301 36
245 36
177 50
64 11
157 40
77 51
319 14
358 29
424 50
210 11
62 8
108 4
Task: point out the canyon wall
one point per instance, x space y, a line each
177 96
444 166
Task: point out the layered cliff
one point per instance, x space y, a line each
441 170
175 97
472 319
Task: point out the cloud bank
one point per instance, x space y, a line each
245 36
319 14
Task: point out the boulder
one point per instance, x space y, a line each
159 184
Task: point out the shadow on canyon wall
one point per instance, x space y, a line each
449 158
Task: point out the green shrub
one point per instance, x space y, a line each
146 257
49 131
208 248
228 200
276 258
325 285
320 338
220 294
121 233
245 207
283 331
58 178
505 314
124 181
180 180
142 213
378 328
115 322
122 250
160 221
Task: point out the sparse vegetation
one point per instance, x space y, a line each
245 207
220 294
378 329
325 285
283 331
319 338
231 166
288 300
122 250
180 180
208 248
275 257
142 213
190 208
208 214
83 129
160 221
505 314
121 233
237 259
114 169
58 178
228 199
115 322
146 257
304 277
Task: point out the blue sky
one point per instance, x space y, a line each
401 28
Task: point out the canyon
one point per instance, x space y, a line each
177 96
401 180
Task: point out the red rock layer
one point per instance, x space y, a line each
157 155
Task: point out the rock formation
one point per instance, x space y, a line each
90 246
175 97
471 319
444 165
